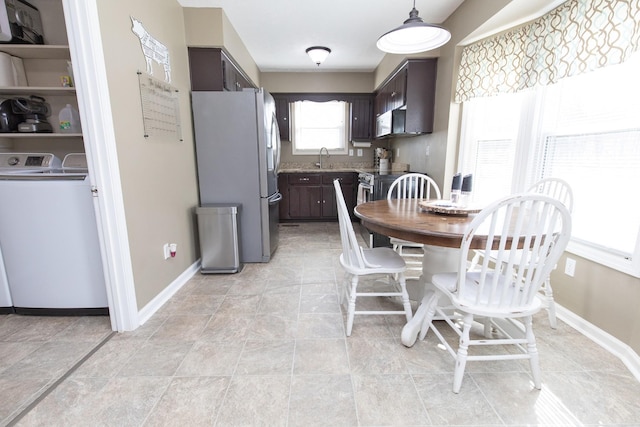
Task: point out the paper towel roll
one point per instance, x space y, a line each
19 74
12 71
385 165
7 76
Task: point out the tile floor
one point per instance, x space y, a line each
267 347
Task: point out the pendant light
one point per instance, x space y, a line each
318 53
413 36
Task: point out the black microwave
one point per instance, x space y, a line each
391 123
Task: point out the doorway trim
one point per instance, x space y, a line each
94 104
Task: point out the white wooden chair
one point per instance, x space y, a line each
412 186
557 189
542 225
358 261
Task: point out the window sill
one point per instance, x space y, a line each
606 258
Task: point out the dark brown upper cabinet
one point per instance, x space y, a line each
362 118
282 115
411 87
392 94
211 69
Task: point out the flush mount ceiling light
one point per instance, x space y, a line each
318 53
413 36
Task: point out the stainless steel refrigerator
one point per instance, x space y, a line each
238 155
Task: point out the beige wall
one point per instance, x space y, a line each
158 174
604 297
203 26
318 82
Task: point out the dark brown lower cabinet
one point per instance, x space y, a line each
311 196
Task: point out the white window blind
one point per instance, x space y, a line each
493 168
490 131
603 169
320 124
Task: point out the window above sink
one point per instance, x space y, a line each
317 125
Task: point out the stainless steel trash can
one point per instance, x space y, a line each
219 238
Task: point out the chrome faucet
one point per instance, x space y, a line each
327 152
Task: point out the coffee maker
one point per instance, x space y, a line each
28 115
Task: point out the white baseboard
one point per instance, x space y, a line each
607 341
154 305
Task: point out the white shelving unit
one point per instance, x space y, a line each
37 90
28 135
33 56
36 51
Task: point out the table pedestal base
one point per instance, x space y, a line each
436 259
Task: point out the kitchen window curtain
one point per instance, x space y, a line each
576 37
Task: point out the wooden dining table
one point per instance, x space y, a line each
407 219
440 233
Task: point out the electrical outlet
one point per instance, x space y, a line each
570 267
351 152
166 251
427 151
359 152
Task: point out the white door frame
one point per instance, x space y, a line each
90 79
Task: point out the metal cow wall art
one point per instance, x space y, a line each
152 49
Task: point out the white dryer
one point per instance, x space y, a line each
49 237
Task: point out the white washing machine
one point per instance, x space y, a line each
48 235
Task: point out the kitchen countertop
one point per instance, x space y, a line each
335 170
290 167
323 170
308 168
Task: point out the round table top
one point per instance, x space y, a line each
405 219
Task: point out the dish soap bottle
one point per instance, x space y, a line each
69 120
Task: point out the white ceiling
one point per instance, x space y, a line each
277 32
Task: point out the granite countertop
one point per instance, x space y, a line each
331 167
323 170
337 167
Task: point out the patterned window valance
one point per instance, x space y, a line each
576 37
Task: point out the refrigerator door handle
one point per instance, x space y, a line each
274 198
275 134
